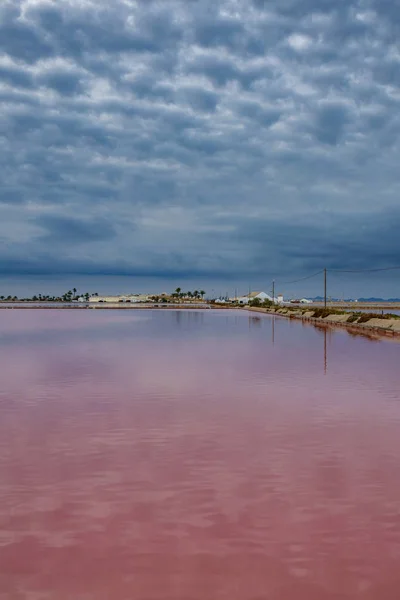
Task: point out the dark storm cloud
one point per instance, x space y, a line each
331 119
18 39
66 84
15 77
72 230
185 138
219 32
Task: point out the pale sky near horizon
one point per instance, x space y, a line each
199 143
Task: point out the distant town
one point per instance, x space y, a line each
178 296
256 298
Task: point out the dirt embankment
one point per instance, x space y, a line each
385 325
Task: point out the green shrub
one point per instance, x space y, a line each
361 317
364 317
321 313
256 302
268 303
354 317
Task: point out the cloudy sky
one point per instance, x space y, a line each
218 142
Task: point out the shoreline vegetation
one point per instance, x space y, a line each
367 323
73 296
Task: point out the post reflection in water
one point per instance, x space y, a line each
273 330
188 316
188 455
255 322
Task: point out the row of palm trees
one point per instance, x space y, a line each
196 295
73 295
67 297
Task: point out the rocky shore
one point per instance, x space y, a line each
367 323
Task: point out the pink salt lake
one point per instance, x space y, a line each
209 455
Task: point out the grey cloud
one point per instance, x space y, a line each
388 73
67 84
330 122
147 87
300 8
198 99
15 77
61 229
343 243
222 71
203 129
22 43
220 32
61 130
25 122
263 116
80 30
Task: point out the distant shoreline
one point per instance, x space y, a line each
351 306
374 325
106 306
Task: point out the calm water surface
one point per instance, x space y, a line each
207 455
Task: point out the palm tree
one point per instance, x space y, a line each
178 291
202 292
196 293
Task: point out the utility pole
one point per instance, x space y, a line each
325 288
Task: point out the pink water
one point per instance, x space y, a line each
207 455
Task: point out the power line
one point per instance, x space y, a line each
363 270
340 271
302 279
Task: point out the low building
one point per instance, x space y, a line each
111 299
261 296
137 298
126 298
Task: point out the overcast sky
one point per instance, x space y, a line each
205 141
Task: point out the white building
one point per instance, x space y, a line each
127 298
261 296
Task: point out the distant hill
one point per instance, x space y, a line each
378 300
373 299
